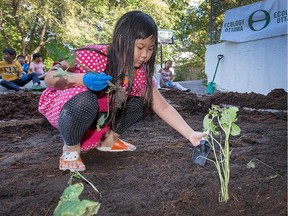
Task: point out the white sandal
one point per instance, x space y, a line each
68 157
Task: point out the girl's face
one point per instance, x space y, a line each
143 50
168 64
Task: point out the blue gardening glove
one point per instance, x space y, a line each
95 81
24 77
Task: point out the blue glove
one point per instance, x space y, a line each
24 77
95 81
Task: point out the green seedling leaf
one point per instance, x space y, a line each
60 73
100 122
70 203
251 165
228 117
208 124
235 130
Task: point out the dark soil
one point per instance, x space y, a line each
159 178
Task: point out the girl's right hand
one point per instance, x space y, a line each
196 137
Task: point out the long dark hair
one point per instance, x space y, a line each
130 27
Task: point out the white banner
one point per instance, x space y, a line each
255 21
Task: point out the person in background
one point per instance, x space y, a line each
77 102
165 76
25 66
12 76
37 66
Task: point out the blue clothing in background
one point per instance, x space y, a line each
25 67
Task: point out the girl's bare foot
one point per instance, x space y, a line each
112 143
109 139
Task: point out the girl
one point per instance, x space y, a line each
166 76
74 103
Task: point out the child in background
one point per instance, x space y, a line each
12 76
37 66
25 66
74 103
166 76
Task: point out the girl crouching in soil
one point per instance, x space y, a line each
75 103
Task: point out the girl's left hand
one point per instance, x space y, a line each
196 137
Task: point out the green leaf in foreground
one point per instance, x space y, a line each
251 165
59 53
70 203
228 119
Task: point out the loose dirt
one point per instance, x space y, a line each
159 178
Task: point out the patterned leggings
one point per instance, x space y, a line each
81 111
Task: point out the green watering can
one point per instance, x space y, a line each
211 85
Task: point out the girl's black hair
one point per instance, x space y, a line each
130 27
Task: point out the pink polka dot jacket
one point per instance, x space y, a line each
52 100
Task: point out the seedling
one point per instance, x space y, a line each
251 164
70 203
223 118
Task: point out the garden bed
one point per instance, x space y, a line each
159 178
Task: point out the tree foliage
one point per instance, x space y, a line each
29 25
194 28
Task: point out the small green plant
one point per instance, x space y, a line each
70 204
251 164
223 118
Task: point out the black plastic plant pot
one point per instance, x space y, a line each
201 152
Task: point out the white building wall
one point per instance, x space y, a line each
256 66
